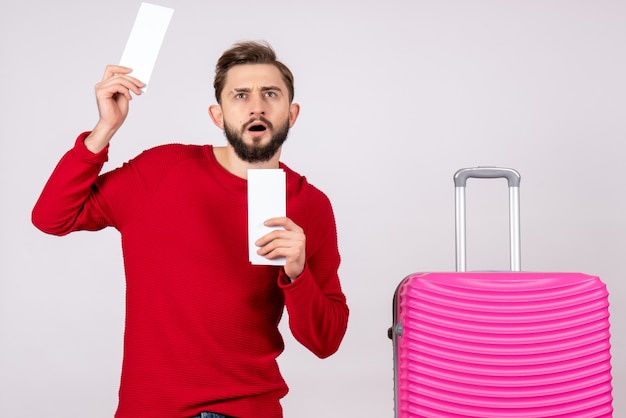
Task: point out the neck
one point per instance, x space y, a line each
228 159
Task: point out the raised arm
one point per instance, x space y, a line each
61 206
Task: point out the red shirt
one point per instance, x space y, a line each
201 321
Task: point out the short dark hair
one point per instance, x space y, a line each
249 52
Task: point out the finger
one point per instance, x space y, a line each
288 243
278 234
279 221
272 245
118 85
126 80
119 72
112 70
272 252
285 222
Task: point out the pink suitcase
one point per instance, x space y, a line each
500 344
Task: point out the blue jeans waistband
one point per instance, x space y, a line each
210 415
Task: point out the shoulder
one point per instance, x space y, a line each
173 152
311 209
164 157
155 163
312 200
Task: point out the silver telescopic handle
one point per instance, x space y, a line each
460 182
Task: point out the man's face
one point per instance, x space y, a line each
255 112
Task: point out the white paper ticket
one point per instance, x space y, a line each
267 198
145 40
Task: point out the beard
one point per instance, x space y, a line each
256 153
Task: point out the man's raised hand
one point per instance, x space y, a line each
113 94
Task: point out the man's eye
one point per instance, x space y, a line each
240 96
270 94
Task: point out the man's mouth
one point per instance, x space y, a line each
257 128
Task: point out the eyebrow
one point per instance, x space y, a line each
263 89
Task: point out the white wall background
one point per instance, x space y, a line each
396 96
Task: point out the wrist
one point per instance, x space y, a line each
99 138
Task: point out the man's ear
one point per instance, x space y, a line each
294 111
215 111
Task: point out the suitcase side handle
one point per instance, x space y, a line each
460 182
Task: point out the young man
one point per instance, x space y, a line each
201 335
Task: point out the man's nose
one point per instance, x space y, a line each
257 105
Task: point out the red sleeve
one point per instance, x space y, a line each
77 197
61 206
318 313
